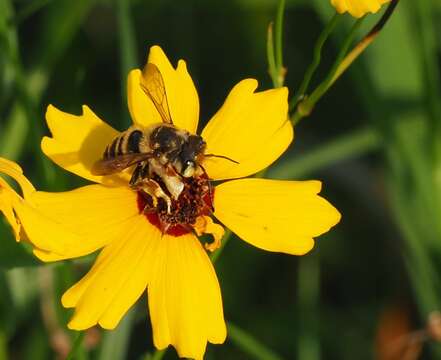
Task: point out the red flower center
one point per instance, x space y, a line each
196 199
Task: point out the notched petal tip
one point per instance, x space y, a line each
274 215
251 127
182 97
78 141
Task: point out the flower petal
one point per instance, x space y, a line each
8 196
97 214
273 215
250 128
358 8
181 93
141 108
184 298
26 221
77 142
116 280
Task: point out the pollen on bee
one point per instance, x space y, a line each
195 200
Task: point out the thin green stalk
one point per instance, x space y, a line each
426 35
323 87
308 308
316 60
305 107
249 344
270 57
274 48
278 37
365 42
127 46
215 255
76 346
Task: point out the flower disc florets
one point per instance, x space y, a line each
195 200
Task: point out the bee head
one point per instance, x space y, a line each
193 147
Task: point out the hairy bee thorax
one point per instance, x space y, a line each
196 199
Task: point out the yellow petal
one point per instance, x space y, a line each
281 216
97 214
8 196
184 298
358 8
182 96
26 220
77 142
141 108
116 280
250 128
6 207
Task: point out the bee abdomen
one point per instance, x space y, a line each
126 143
133 140
112 149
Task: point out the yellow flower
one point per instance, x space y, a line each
184 297
358 8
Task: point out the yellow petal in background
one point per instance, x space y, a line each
250 128
8 196
184 298
40 229
358 8
181 93
141 108
280 216
77 142
96 213
6 207
116 280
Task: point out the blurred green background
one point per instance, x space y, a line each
374 140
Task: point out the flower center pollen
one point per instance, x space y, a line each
196 199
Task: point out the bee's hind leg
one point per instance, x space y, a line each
140 181
152 188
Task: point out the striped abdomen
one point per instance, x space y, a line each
126 143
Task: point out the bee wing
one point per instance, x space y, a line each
153 85
118 163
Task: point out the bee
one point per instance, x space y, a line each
159 152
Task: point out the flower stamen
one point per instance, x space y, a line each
195 201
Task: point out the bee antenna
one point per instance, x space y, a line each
222 157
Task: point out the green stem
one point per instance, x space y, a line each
278 35
127 46
249 344
308 297
76 346
305 107
316 60
215 255
324 86
270 57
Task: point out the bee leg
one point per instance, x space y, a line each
152 188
